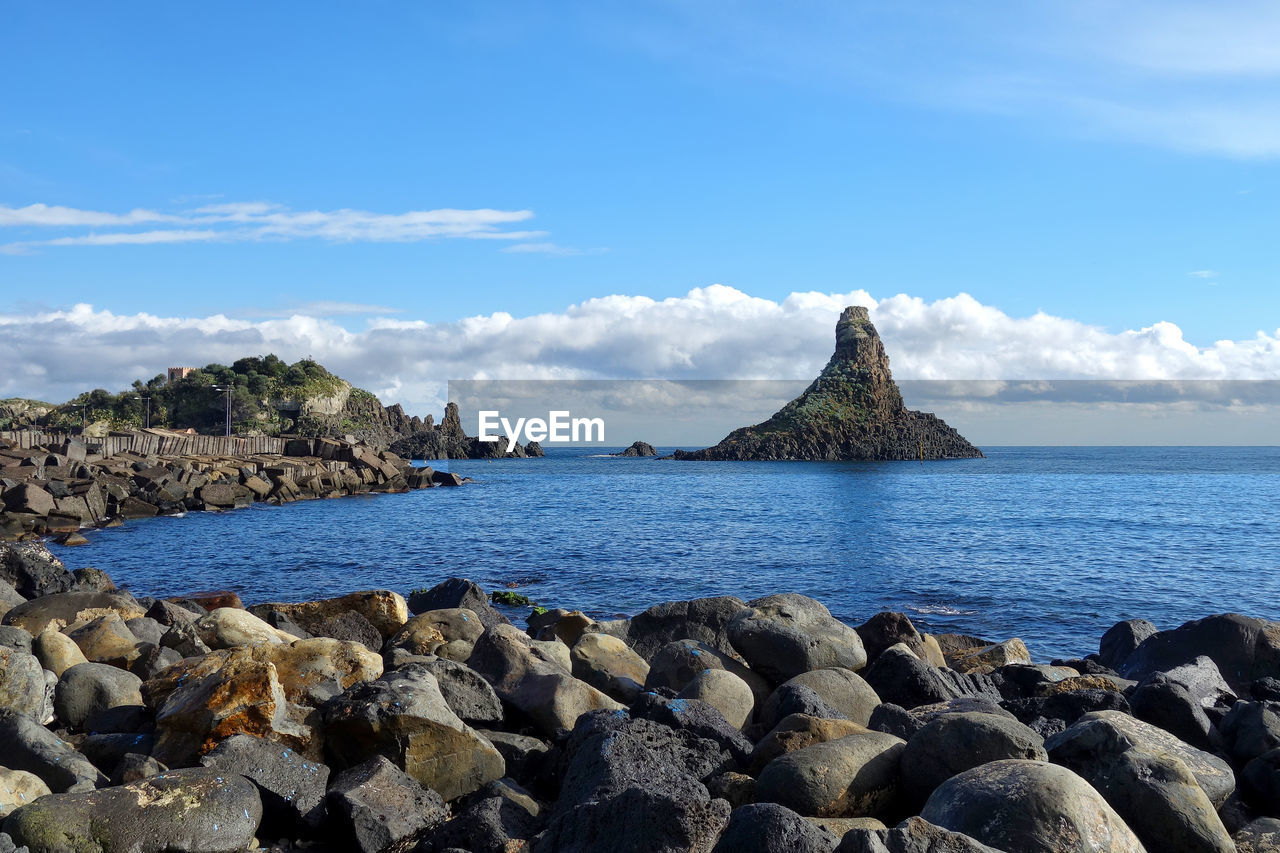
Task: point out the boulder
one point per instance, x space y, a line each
457 592
703 620
887 629
27 745
105 639
771 828
854 776
678 662
1244 649
695 718
913 835
609 665
1212 773
898 676
1170 706
1202 679
19 788
781 636
1250 729
347 625
993 657
841 689
1261 778
226 627
385 610
795 732
292 788
495 824
196 810
9 597
530 678
22 685
1029 807
953 743
638 820
87 689
465 691
404 717
1259 836
449 633
1121 639
15 638
523 755
1049 715
725 692
30 568
381 808
68 608
1152 790
269 691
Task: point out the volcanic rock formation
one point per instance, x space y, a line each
852 411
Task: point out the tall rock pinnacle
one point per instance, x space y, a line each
852 411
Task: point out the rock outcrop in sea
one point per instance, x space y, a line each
638 448
374 724
852 411
448 440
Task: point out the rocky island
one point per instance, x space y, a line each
638 448
377 724
852 411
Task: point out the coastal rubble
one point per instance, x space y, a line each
57 489
135 724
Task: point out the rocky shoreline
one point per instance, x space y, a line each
58 487
376 722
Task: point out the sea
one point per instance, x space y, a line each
1049 544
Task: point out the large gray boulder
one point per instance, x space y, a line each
87 689
841 689
1153 790
1121 639
1244 649
953 743
292 787
32 570
22 684
404 717
529 677
855 776
1030 807
677 663
381 809
196 811
1213 775
781 636
454 593
27 745
704 620
771 828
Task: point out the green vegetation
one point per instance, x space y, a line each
266 394
513 599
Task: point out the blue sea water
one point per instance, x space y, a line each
1053 545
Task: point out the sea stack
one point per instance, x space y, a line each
852 411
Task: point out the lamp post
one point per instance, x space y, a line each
148 402
226 388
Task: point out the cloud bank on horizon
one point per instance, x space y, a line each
715 332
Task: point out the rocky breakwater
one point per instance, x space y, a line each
852 411
721 725
59 488
448 440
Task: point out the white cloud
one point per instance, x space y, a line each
251 221
546 248
1203 274
714 332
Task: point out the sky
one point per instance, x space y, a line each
419 192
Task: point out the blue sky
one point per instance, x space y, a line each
1111 164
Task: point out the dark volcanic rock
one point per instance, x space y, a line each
638 448
384 808
771 828
705 620
27 745
1243 648
32 569
292 788
852 411
457 592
